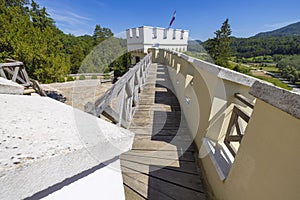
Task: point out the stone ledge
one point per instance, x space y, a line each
44 142
9 87
284 100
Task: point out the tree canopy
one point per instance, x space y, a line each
30 35
219 47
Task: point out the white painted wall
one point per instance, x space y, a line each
146 37
105 183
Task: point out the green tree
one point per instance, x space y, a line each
100 34
219 47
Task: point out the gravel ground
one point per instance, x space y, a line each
77 93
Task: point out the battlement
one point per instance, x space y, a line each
145 37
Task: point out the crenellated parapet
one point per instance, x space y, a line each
145 37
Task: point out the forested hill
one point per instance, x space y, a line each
283 41
29 34
290 30
257 46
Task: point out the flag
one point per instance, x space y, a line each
173 18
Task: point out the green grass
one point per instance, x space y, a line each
275 81
267 68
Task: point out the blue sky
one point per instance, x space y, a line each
201 17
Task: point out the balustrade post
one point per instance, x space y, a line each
120 104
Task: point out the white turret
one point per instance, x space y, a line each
139 40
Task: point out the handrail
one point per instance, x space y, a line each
15 71
125 91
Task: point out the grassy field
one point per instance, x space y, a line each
267 68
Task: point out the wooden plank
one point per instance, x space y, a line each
120 105
162 159
141 189
161 187
241 114
182 179
244 100
26 78
178 155
18 78
131 194
2 73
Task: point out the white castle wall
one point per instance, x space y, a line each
145 37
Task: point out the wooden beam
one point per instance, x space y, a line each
244 100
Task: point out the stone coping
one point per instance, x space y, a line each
10 87
285 100
43 142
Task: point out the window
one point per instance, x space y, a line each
181 36
137 30
129 33
154 33
165 33
174 34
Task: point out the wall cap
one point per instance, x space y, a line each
285 100
10 87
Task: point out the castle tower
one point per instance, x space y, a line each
139 40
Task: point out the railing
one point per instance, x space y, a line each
234 122
15 71
118 103
104 77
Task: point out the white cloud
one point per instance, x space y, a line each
280 24
70 22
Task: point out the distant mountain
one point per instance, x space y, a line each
290 30
195 45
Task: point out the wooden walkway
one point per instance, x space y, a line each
161 164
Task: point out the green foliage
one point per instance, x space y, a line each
106 76
31 37
94 77
102 57
82 77
219 47
121 65
293 61
242 69
29 34
61 79
100 34
290 68
261 46
70 78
